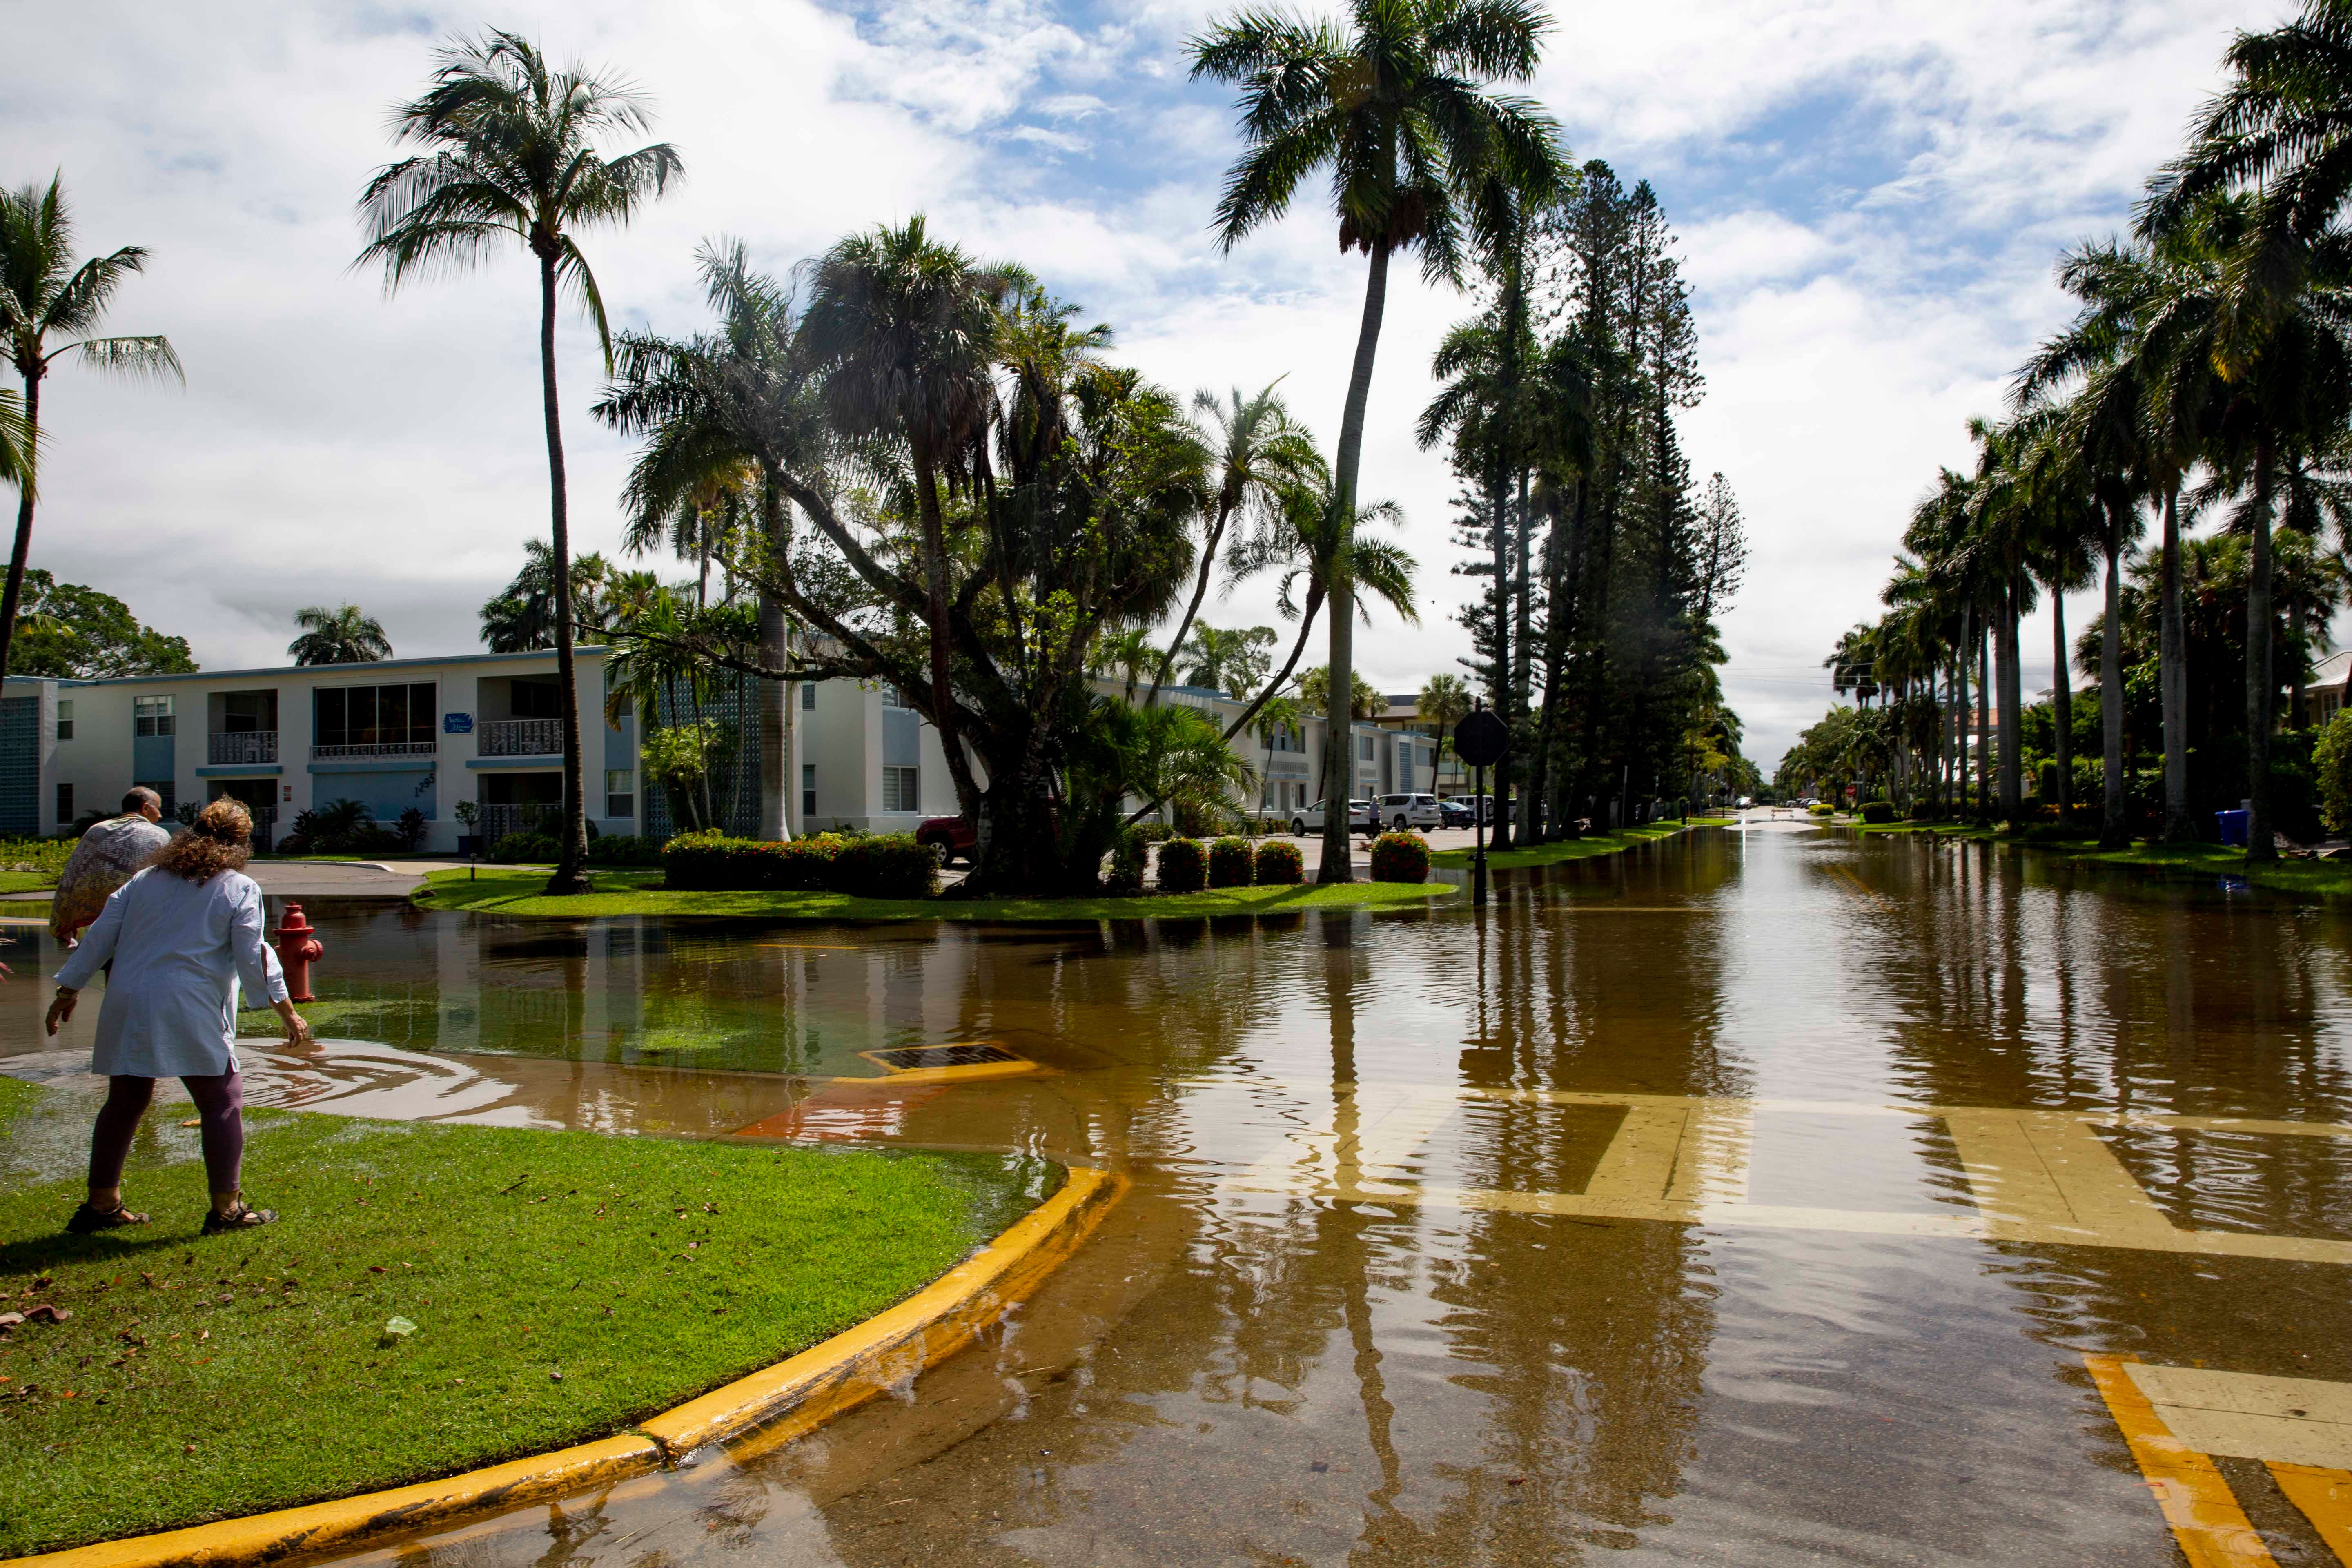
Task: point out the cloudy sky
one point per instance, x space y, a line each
1870 195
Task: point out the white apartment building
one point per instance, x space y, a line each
427 733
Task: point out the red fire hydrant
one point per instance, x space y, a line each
299 947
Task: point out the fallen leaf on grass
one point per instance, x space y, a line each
10 1319
46 1313
194 1122
375 1269
399 1327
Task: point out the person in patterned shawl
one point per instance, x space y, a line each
108 854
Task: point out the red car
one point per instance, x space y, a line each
950 837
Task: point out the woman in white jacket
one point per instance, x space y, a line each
181 935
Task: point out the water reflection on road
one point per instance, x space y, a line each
1724 1201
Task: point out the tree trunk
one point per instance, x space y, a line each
1339 739
775 697
2261 688
2006 728
1281 678
2173 658
572 854
1984 726
2062 701
13 595
1521 670
2115 831
935 610
1200 590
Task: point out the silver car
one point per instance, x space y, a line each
1309 819
1403 811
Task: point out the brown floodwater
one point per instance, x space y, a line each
1751 1197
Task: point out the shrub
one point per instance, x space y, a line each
1153 831
49 855
1230 865
1279 864
885 866
1400 858
1127 858
1878 811
623 849
1824 808
521 847
1183 866
410 829
868 866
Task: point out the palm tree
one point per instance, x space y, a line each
1276 716
1258 449
346 634
1127 653
1391 100
511 157
905 328
724 414
44 293
1444 701
520 617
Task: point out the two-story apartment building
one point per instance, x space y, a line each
427 733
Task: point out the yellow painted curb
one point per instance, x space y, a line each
792 1397
802 1394
319 1526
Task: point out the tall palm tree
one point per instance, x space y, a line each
511 157
723 413
1231 659
345 634
1444 701
45 293
1393 99
1258 449
520 617
905 327
1126 653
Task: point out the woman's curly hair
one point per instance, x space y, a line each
219 840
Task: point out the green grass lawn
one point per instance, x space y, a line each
26 881
1584 848
206 1379
505 890
2199 861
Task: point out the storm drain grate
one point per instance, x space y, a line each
916 1059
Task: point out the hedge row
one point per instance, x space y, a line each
867 865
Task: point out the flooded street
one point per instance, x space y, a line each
1752 1197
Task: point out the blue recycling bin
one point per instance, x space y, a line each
2234 826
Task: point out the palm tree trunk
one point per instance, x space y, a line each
2261 688
2173 657
2113 830
935 610
2011 697
1499 685
1984 726
1339 739
775 707
572 854
1200 592
1281 678
13 595
2062 701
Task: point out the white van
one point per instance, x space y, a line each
1403 811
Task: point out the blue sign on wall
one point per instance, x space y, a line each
456 723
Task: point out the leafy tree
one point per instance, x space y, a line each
345 634
45 293
520 617
1228 660
1421 157
511 158
75 632
2331 761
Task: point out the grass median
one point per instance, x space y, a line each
1567 849
505 890
562 1285
2197 860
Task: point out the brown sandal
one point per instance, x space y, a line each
244 1216
88 1221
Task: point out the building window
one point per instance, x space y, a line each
620 792
375 715
164 787
894 698
151 716
1364 747
808 696
64 721
902 789
64 803
808 790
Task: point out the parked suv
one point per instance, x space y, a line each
1361 819
950 838
1403 811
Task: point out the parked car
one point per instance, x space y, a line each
1456 812
1361 819
949 838
1403 811
1474 807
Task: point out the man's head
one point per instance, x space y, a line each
141 801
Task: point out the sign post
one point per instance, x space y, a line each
1480 739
